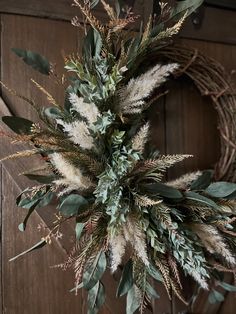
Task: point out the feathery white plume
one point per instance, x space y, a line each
72 176
117 245
132 97
86 110
135 235
213 241
78 133
140 139
185 180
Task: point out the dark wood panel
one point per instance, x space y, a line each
53 39
60 9
191 128
30 285
63 9
212 25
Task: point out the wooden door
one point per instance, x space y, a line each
183 122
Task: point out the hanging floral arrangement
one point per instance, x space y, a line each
104 174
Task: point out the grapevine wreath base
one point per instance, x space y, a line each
212 80
108 179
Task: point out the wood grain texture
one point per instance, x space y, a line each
191 128
211 28
63 9
30 285
52 39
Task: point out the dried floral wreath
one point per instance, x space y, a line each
99 164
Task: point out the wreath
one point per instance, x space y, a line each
108 179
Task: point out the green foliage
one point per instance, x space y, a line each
126 281
78 230
39 199
132 303
227 286
104 122
221 189
33 59
95 272
203 181
71 205
96 298
192 196
38 245
92 44
161 190
43 179
215 297
18 125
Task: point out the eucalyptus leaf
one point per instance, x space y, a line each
53 113
43 179
95 271
182 7
215 297
132 301
39 200
71 204
38 245
126 281
160 189
33 59
18 125
92 44
154 273
93 3
200 199
203 181
22 226
78 230
221 189
96 298
227 286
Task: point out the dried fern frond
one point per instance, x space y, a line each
227 206
49 96
91 19
17 138
14 93
136 237
24 153
147 30
117 244
174 269
164 269
160 164
185 180
213 241
110 11
144 201
177 292
140 139
171 31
